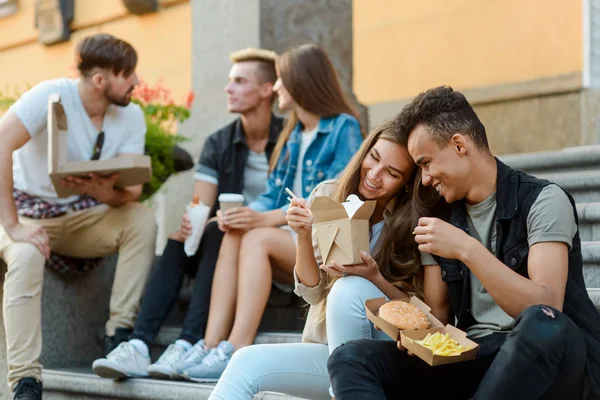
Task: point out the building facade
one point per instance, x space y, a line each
528 66
163 40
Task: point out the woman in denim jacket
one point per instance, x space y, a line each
258 250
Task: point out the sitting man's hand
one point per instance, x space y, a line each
440 238
33 234
96 186
243 218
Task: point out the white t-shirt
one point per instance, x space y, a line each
305 140
124 132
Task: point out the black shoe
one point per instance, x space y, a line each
28 389
111 342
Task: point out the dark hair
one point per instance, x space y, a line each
397 254
309 76
444 112
105 52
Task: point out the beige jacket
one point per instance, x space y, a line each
315 331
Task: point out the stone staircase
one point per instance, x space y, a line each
577 170
82 384
73 314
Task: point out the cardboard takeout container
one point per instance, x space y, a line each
342 228
133 169
408 337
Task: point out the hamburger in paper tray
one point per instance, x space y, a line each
198 214
342 228
420 332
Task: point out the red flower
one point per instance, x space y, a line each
189 100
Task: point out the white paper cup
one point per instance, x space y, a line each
230 200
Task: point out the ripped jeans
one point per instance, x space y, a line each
543 357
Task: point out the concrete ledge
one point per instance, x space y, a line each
567 159
62 385
552 85
588 212
73 310
169 334
584 186
59 383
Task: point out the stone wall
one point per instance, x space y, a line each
224 26
539 115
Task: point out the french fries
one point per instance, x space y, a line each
442 345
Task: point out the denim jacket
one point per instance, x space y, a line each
338 139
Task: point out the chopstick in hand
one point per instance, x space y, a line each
293 196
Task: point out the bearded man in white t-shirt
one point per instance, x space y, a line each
36 225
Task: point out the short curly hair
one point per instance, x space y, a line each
444 112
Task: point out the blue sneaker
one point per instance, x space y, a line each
212 366
192 357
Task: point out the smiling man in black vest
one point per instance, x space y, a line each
511 260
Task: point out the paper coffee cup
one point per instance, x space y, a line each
230 200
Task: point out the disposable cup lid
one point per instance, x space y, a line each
231 197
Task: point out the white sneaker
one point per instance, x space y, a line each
192 357
123 362
166 366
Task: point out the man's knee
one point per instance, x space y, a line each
139 219
25 267
545 326
349 355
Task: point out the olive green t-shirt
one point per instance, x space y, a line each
551 219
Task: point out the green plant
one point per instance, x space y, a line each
162 118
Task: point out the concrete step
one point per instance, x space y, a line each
591 263
284 312
584 186
81 384
589 221
578 158
168 335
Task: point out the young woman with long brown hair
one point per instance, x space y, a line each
383 171
258 249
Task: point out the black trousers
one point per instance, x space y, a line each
543 357
164 286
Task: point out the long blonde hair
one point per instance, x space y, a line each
308 75
397 254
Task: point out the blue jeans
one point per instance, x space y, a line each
300 369
543 357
